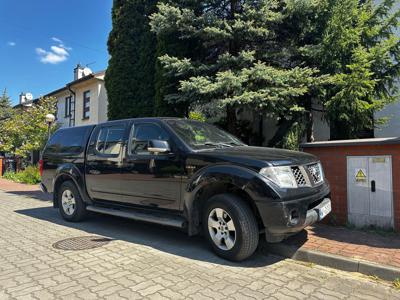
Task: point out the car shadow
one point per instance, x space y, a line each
38 195
159 237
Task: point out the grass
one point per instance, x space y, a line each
374 277
30 175
396 283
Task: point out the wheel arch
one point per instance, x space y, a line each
216 180
69 173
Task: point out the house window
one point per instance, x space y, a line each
86 105
68 106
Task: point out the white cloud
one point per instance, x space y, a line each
57 53
57 40
59 50
11 44
40 51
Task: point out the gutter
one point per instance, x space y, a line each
74 95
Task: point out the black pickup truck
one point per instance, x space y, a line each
185 174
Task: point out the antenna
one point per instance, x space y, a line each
91 63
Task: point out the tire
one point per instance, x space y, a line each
233 243
69 196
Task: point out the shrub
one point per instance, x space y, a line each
30 175
10 176
396 283
198 116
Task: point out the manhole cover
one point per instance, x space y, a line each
81 243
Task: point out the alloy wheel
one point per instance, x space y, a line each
222 229
68 202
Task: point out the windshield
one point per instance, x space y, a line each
199 135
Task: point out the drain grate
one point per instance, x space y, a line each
81 243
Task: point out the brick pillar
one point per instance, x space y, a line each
1 166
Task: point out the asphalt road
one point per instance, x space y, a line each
147 261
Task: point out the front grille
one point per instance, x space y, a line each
315 172
299 176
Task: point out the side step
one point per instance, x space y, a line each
163 219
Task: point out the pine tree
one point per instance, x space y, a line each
236 65
129 77
358 46
5 106
167 86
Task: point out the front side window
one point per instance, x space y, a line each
109 140
86 105
141 134
200 135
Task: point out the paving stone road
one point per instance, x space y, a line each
147 261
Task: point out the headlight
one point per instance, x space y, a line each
281 176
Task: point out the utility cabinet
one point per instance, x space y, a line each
370 192
364 176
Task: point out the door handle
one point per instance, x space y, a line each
373 187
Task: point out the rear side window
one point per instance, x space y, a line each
71 141
109 140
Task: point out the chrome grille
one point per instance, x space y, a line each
315 172
299 176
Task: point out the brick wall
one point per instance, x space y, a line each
334 161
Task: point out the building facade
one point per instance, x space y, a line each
82 101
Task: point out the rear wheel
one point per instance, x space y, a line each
71 206
230 227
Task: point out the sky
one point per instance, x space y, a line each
41 42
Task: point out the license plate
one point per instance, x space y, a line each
324 210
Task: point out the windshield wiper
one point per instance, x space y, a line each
235 144
218 145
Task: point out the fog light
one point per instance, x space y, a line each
294 217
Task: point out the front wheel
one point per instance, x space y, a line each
230 227
71 206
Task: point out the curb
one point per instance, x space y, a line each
332 261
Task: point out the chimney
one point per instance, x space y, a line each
81 71
78 72
22 98
25 99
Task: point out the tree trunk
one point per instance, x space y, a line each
282 131
310 128
231 119
309 122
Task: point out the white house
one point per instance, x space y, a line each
82 101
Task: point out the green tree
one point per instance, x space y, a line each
26 130
129 77
356 43
167 86
5 106
237 64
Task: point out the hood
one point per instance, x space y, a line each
265 156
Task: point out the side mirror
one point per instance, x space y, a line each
157 146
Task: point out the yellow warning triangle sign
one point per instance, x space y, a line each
360 176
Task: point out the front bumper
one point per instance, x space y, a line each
285 218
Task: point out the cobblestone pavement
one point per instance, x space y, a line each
147 261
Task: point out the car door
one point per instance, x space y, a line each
104 162
149 179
